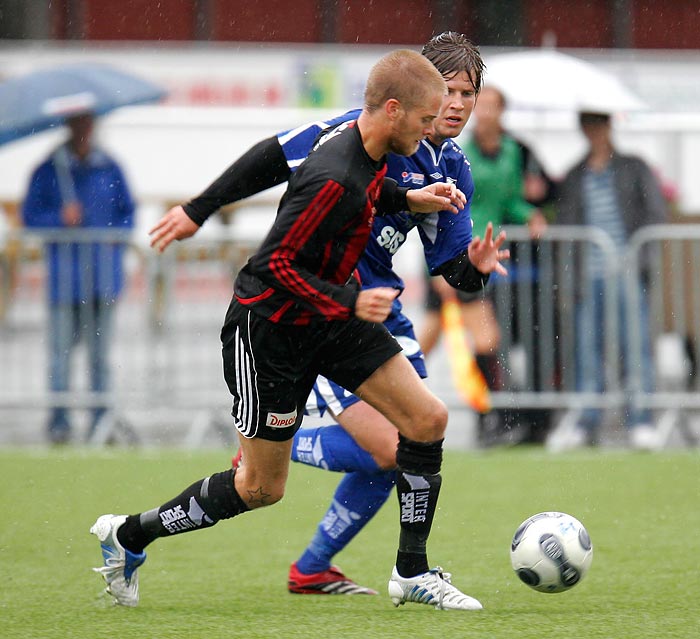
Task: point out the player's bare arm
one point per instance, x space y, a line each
486 255
436 197
174 225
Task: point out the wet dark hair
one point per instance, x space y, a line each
451 53
588 117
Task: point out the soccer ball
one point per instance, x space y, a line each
551 552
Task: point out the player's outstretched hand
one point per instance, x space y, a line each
174 225
374 304
486 255
439 196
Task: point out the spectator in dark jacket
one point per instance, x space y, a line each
618 194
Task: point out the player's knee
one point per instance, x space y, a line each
430 424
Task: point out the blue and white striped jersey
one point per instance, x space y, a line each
444 235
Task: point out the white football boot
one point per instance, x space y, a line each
120 564
432 588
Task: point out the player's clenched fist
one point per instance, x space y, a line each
374 304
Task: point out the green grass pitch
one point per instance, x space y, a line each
642 511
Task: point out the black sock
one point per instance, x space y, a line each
200 506
418 483
409 564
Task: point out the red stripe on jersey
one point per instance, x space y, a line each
277 315
305 225
298 235
359 241
251 300
313 215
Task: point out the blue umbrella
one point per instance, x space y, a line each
43 99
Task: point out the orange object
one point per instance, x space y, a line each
466 374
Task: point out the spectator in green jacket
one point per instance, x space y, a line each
496 160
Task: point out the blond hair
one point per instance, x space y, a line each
405 76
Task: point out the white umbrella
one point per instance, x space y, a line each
548 79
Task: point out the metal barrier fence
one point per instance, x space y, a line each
537 310
165 351
673 276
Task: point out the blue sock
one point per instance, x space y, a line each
358 497
331 448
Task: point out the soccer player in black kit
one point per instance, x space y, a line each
297 312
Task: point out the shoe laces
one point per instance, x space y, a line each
444 579
114 562
447 593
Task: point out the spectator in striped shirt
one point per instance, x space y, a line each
619 194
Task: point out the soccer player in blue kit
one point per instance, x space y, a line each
363 446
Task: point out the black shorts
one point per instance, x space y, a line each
271 368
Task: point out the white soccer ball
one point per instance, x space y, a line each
551 552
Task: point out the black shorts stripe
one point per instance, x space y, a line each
246 385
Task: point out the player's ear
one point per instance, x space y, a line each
393 108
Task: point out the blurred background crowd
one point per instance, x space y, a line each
583 145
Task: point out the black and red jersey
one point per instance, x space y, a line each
302 270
